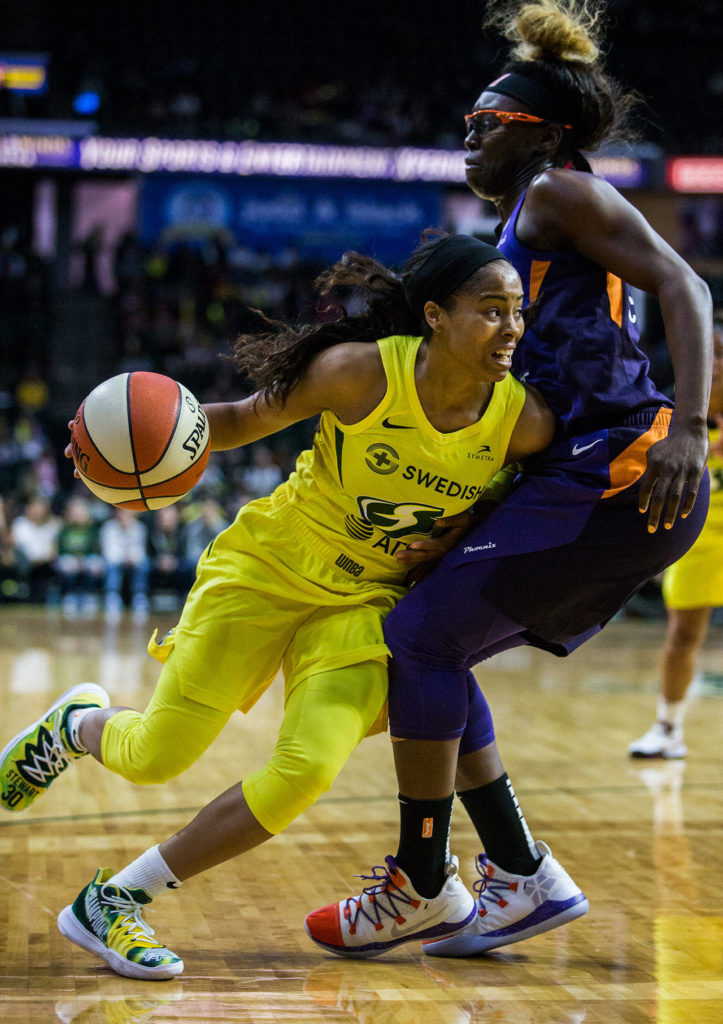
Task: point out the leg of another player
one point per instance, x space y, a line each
684 637
513 868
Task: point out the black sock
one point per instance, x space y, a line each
423 842
501 826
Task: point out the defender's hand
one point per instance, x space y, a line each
675 465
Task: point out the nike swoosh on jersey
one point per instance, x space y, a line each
395 426
585 447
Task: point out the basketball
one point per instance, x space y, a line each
140 440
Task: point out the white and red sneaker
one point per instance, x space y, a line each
390 912
514 907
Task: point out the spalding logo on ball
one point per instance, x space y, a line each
140 440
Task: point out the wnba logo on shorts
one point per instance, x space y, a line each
427 828
349 565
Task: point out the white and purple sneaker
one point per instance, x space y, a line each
514 907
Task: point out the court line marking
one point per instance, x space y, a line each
539 791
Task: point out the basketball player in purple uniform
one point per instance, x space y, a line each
620 494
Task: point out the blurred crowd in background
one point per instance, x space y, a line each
61 546
382 74
175 312
268 71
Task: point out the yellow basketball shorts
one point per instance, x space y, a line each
248 615
696 579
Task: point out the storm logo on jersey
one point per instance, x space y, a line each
399 520
358 528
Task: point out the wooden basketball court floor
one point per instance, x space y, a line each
644 840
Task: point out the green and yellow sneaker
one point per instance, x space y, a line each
36 756
106 919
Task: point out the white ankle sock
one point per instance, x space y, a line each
671 711
73 726
148 872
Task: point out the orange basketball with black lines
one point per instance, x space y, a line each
140 440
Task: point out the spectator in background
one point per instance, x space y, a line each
43 474
90 247
263 475
9 585
11 457
128 261
79 563
35 535
203 529
171 573
124 547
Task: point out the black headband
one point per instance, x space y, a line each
454 260
541 97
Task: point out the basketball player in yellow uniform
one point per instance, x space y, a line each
692 587
413 427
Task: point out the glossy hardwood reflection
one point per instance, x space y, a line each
644 840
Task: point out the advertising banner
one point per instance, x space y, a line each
319 218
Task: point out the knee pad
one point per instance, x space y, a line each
156 769
426 704
127 752
479 731
427 682
424 629
286 786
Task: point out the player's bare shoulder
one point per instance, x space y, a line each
352 377
562 184
560 203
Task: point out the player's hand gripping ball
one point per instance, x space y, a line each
140 440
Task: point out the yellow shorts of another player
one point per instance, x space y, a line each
696 579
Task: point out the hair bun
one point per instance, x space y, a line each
566 30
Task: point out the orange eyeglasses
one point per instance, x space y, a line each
483 121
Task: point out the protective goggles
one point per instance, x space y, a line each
483 121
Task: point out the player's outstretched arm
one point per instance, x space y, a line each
347 379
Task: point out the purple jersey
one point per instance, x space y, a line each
581 349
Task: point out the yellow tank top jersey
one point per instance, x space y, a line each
324 543
696 580
366 490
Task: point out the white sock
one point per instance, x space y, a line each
671 711
148 872
73 727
